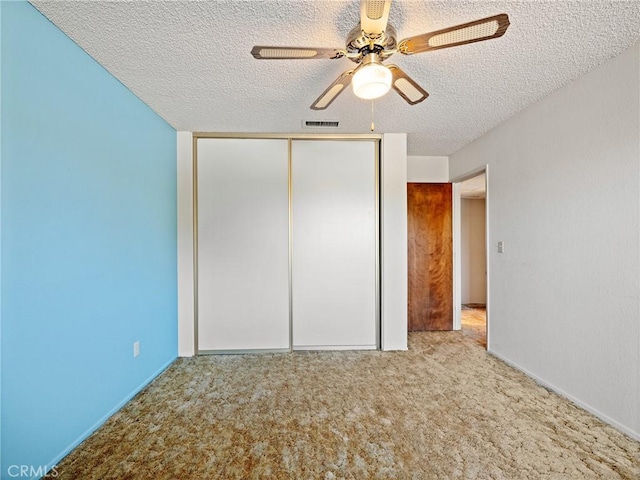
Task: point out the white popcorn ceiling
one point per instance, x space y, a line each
190 61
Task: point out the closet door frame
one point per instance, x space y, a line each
375 138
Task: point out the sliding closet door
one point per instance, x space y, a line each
243 244
334 254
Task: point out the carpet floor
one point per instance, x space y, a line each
445 409
474 324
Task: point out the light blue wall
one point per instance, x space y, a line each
0 243
88 246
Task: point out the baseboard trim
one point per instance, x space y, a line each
106 417
245 351
311 348
626 430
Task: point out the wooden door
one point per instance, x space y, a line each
430 238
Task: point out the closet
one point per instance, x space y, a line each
287 244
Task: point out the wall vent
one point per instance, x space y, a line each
320 123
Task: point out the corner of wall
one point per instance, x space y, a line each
394 241
186 319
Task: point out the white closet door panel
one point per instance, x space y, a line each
243 251
334 244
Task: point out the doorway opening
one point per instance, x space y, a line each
472 255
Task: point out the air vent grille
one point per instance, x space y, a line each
320 123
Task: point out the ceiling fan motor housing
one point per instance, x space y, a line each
360 44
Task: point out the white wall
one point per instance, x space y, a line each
186 338
394 241
424 169
393 245
473 250
565 190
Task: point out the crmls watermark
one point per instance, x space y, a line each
31 471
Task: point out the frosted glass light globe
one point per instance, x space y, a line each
371 81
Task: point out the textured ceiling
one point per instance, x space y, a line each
190 61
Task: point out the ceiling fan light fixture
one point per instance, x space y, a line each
372 41
372 80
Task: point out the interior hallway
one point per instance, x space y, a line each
474 323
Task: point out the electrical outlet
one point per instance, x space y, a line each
136 349
500 247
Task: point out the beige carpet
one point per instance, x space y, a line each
445 409
474 323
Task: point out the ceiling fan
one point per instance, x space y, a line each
372 42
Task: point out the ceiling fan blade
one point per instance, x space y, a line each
289 53
374 15
335 89
477 31
406 86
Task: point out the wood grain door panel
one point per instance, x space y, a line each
430 239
